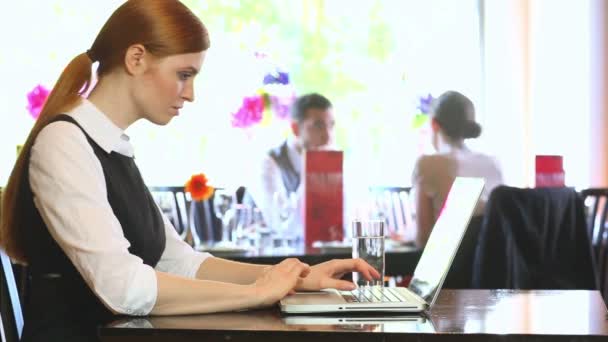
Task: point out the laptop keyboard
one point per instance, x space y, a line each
373 294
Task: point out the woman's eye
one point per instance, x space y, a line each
184 75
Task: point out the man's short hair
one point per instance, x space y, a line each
303 103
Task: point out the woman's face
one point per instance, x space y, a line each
166 84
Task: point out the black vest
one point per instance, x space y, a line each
291 178
60 305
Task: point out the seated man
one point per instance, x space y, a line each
312 124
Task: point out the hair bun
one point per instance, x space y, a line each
471 129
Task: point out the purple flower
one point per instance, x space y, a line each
36 99
281 105
276 77
260 54
425 103
250 112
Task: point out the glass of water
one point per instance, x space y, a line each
368 244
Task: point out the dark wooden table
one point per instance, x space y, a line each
458 315
400 260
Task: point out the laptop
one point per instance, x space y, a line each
356 322
429 274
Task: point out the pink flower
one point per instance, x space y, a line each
250 112
36 99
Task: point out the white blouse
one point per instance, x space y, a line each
269 180
69 189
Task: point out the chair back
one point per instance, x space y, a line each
394 204
596 204
460 275
10 305
173 202
206 224
534 239
195 222
244 197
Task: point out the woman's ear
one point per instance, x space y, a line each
435 125
135 59
295 128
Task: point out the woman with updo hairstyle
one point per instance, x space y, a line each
77 211
452 122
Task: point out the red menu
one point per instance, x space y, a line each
549 171
323 196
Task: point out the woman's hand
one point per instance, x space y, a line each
279 280
329 274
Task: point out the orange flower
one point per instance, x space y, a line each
198 188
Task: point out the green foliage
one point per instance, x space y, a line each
315 44
419 120
335 47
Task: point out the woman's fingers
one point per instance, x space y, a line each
300 270
281 280
356 265
366 270
294 265
342 285
293 273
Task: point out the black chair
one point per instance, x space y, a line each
173 202
244 197
394 203
460 275
10 305
596 203
195 222
534 239
2 335
206 224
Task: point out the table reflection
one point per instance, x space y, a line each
472 315
273 321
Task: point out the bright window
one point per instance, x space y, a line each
373 59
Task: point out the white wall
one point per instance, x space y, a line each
538 85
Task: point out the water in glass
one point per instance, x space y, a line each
370 249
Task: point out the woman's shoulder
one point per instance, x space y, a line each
434 160
60 133
61 127
434 165
484 164
486 159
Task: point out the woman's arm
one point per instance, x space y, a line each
421 180
324 275
424 217
178 295
218 269
180 259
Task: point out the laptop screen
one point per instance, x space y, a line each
445 237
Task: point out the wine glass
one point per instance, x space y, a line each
223 205
285 204
242 223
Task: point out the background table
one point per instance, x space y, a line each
400 260
458 315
